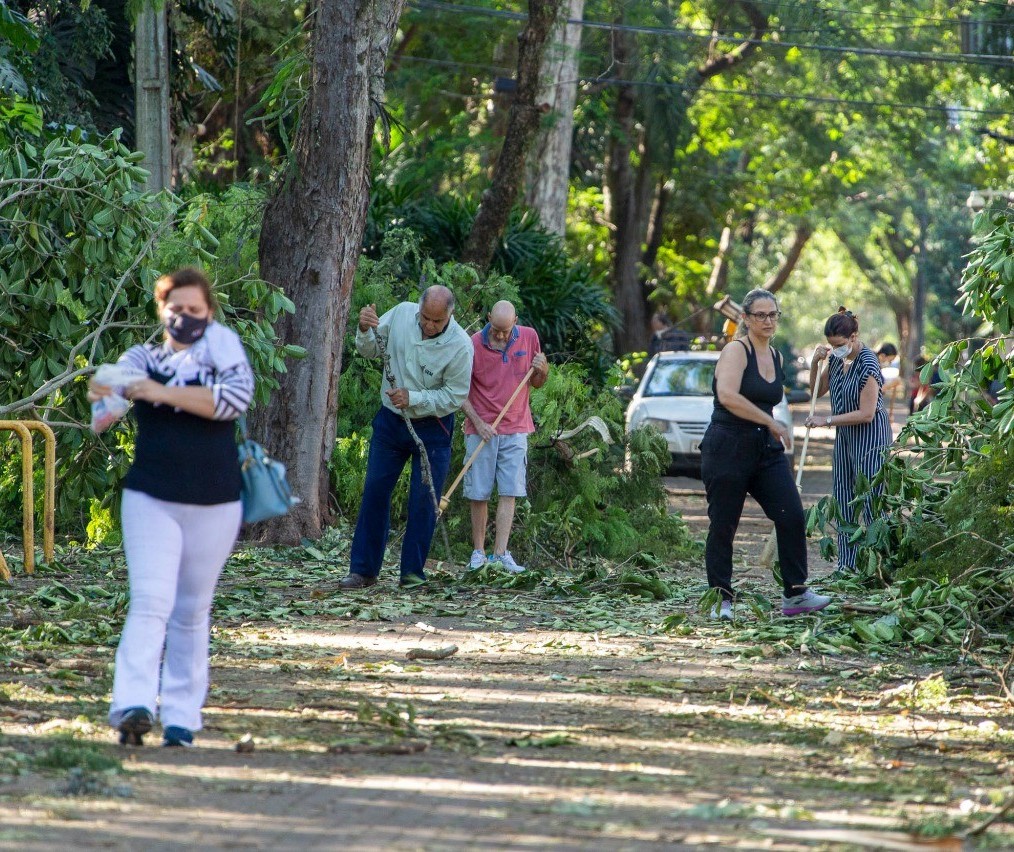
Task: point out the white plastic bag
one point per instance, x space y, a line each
107 410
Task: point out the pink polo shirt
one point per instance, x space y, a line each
496 375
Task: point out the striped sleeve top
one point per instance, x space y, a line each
182 457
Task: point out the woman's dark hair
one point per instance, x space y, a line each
842 324
188 276
888 350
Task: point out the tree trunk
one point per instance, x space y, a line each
151 95
629 197
549 177
920 285
311 240
799 240
522 125
656 227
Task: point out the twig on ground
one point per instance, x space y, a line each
1005 809
427 654
869 608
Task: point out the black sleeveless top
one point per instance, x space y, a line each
183 458
762 393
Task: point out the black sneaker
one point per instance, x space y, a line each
174 735
134 724
357 581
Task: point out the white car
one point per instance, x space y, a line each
675 397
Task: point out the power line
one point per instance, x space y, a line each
744 93
885 27
912 55
858 13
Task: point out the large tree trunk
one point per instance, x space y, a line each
311 240
548 182
629 193
623 203
522 125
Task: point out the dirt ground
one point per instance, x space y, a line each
556 725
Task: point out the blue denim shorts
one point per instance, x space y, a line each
503 461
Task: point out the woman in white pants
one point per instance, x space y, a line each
181 508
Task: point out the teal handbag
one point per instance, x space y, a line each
265 490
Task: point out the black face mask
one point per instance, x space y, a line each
184 328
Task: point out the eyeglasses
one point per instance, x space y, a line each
773 316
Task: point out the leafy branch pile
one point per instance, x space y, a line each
943 539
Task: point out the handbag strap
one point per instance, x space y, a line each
241 422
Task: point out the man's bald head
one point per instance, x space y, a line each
503 315
501 324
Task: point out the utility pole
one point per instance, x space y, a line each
151 92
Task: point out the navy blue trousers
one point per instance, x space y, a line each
390 447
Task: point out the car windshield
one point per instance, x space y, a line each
681 378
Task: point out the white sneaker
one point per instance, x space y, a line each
478 559
506 561
808 601
722 612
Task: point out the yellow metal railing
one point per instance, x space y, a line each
24 429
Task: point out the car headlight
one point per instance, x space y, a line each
661 425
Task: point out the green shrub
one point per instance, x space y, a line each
80 248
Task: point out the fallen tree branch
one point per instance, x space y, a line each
406 747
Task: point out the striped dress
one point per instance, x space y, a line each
858 448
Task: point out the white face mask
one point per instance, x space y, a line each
841 351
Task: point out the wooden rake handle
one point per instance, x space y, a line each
446 499
806 435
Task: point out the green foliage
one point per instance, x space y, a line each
68 753
80 247
17 39
566 303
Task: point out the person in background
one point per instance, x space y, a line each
665 337
863 432
890 368
743 452
431 359
503 353
181 507
887 355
